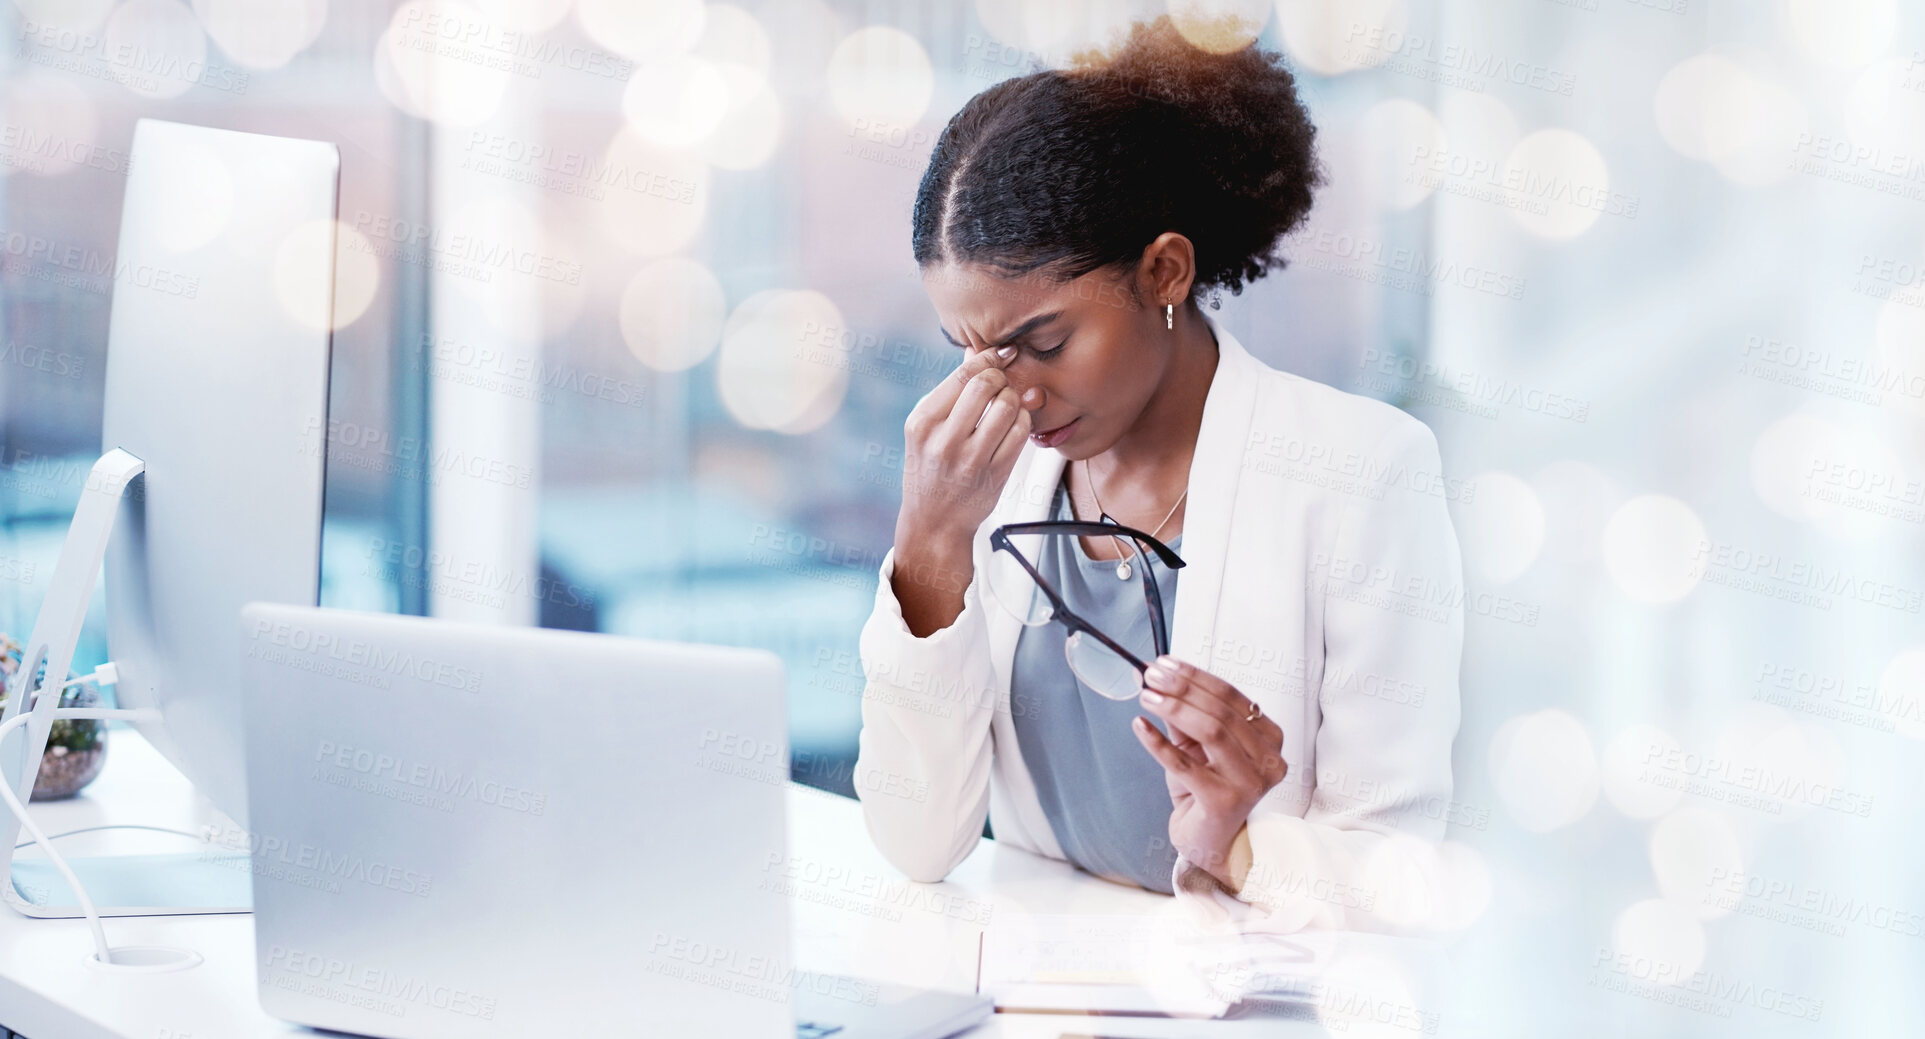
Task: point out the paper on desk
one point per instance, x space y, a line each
1157 963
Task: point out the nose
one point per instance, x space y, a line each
1032 395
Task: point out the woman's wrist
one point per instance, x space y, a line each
938 533
929 581
1237 871
1226 857
940 567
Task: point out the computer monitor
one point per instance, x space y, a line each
217 382
217 378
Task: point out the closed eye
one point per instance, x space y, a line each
1044 355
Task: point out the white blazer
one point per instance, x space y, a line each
1322 579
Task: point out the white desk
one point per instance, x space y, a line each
867 921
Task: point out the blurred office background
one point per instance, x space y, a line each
627 327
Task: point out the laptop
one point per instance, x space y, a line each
467 831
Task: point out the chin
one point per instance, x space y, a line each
1078 453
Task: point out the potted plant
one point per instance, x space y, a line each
76 750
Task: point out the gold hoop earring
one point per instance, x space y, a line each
1169 315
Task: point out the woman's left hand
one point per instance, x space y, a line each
1218 762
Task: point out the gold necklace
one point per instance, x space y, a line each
1123 566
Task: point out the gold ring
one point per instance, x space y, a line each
1256 711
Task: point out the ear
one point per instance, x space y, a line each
1167 270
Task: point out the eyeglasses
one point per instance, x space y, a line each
1101 662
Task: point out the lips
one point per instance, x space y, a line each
1053 437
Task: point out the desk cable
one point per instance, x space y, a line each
106 674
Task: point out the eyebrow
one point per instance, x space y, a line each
1017 333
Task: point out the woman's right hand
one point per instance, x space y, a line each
954 466
953 470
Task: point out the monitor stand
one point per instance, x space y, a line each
188 883
214 880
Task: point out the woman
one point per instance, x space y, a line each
1288 760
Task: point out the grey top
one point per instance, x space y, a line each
1106 797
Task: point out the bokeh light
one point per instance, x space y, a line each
809 31
1629 782
357 276
525 15
1464 892
1544 769
75 15
1392 134
672 313
781 365
732 36
656 198
1653 546
642 30
152 46
739 124
675 100
1159 951
751 123
1331 37
45 107
1366 996
880 77
1782 459
1478 124
450 85
1705 107
1774 764
1557 183
262 34
301 269
1842 33
1661 941
1303 864
1710 107
1501 527
525 275
1219 26
1884 109
1405 880
1052 33
1798 459
1698 861
1578 500
1778 122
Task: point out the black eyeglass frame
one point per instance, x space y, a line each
999 542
